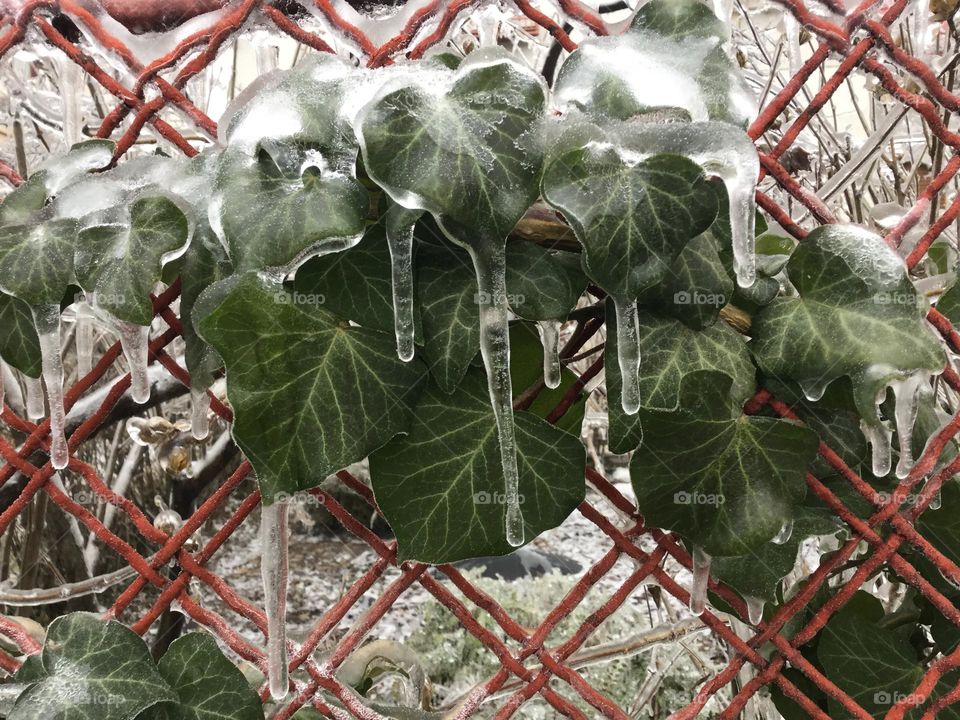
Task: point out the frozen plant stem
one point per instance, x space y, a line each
47 321
490 266
400 242
273 572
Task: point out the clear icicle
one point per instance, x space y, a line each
783 537
628 353
754 610
921 28
550 337
34 401
936 502
135 341
792 30
72 87
199 407
400 242
490 266
47 320
813 391
83 334
701 576
878 435
273 572
906 393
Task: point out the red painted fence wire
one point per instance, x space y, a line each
860 42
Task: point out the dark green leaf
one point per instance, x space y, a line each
310 394
670 351
526 368
857 315
19 344
121 263
734 480
209 686
441 486
462 154
632 217
94 669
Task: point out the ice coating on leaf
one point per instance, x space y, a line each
723 151
400 241
34 400
701 577
199 407
663 61
135 341
754 610
274 573
786 531
858 315
48 329
628 353
549 331
878 436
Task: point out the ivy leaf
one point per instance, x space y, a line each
451 507
542 284
462 154
680 42
632 217
93 669
310 394
19 344
671 352
36 260
283 204
857 315
734 480
209 686
696 287
120 263
875 666
355 284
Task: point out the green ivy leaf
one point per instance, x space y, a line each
356 284
632 217
19 344
873 665
734 480
441 486
120 263
463 154
670 352
310 394
93 669
542 284
696 287
857 315
282 204
209 686
36 260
